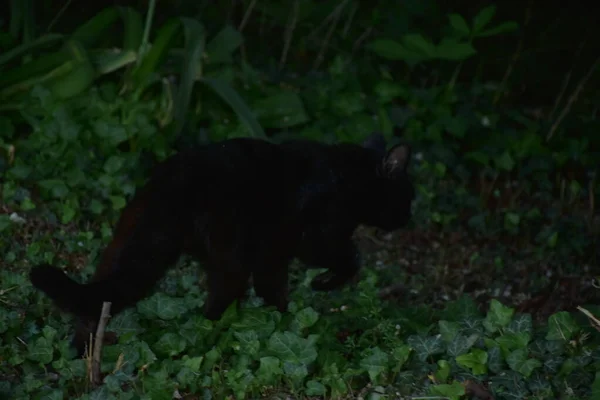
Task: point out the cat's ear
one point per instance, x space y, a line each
397 159
375 141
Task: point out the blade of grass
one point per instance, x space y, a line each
150 61
91 32
238 105
40 42
132 21
195 39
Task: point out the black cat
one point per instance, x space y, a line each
245 208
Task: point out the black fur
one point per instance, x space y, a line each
245 208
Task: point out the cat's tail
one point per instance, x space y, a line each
70 296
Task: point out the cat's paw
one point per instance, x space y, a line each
324 281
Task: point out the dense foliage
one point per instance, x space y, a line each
478 297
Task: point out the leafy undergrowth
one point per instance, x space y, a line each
437 312
476 299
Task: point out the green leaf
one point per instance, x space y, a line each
400 356
483 18
256 320
448 330
513 341
134 30
443 371
498 29
512 219
56 187
453 50
92 31
125 322
195 329
392 50
220 49
292 348
162 306
305 318
170 344
315 388
498 316
375 363
118 202
281 110
461 344
521 323
476 361
495 360
561 326
452 391
5 222
237 104
148 65
28 47
596 386
41 350
518 361
459 24
462 308
195 38
269 369
419 44
425 346
113 164
80 74
249 343
295 372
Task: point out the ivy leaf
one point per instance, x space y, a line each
518 361
461 344
162 306
561 326
426 346
476 361
170 344
269 369
304 318
296 372
375 363
448 330
400 355
41 350
290 347
521 323
498 316
249 343
495 360
513 341
256 320
453 391
315 388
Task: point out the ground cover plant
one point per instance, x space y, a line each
489 293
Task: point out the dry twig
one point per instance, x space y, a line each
96 376
573 98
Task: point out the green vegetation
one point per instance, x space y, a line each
478 297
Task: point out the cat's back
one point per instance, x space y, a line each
241 169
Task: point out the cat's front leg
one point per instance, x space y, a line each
343 262
225 285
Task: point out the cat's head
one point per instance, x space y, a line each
391 190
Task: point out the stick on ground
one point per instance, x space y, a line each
99 340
